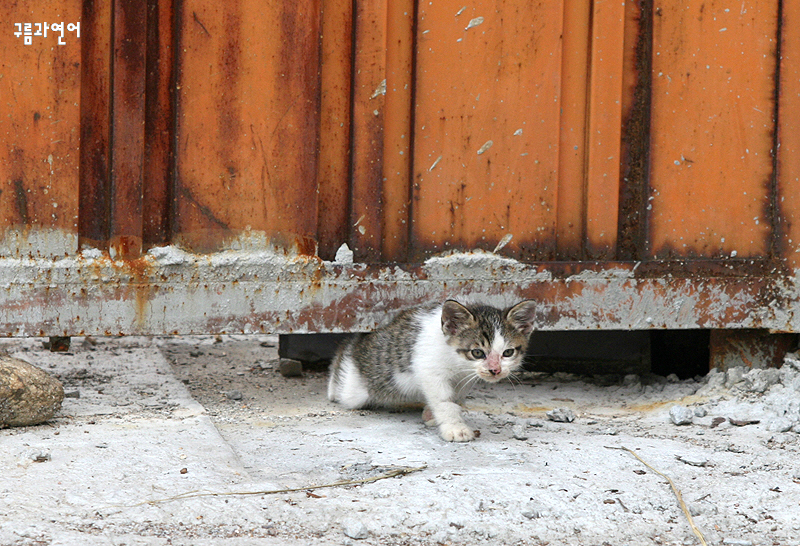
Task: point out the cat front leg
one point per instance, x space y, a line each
447 415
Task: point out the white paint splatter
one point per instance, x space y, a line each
485 147
503 242
474 23
380 90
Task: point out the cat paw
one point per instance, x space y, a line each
428 418
456 433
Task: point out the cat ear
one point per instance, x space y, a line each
522 316
455 317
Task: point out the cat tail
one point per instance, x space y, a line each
346 384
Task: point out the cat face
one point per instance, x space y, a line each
492 341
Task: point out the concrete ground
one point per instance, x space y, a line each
198 440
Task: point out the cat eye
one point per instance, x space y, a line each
478 353
509 352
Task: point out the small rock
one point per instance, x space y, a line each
734 375
39 456
631 380
673 378
714 382
264 365
291 368
681 415
702 508
759 380
518 431
28 395
72 394
234 395
717 421
700 411
561 415
355 529
742 422
692 461
737 542
532 511
780 424
344 255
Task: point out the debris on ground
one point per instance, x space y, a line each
561 415
681 415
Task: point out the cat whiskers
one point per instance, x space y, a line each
466 384
514 380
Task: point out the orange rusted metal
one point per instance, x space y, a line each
369 95
247 120
613 161
604 129
333 174
396 198
749 348
787 200
95 124
635 136
159 124
487 123
39 128
713 93
571 224
127 130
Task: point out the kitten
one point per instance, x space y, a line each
432 354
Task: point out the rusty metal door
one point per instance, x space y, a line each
194 166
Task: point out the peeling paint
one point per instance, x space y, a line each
169 290
474 23
379 91
37 242
503 242
485 147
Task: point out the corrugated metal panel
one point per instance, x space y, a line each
39 156
713 126
624 154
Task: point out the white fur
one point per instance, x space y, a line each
438 369
351 391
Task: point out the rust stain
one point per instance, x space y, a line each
636 135
21 201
